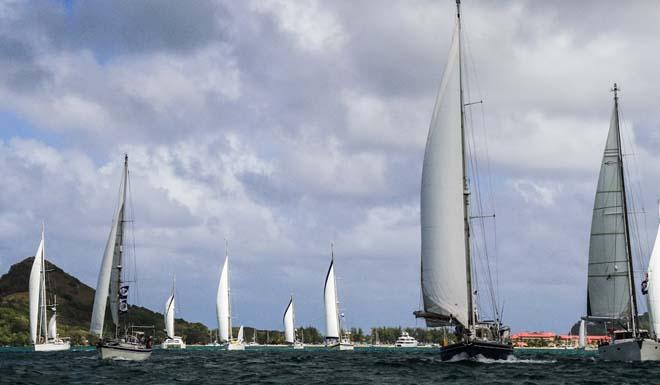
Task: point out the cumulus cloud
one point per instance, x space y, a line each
284 126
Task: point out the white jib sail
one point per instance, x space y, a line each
330 301
52 327
222 302
169 316
107 284
444 275
608 294
653 286
289 334
35 290
582 336
240 337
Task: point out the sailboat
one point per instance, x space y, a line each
43 338
446 256
127 342
651 286
289 320
611 294
334 336
223 309
172 341
582 335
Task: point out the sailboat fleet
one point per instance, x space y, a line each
447 262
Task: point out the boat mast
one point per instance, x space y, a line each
334 277
231 334
626 226
120 235
466 181
44 324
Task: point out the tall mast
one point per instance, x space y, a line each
626 226
334 277
44 325
466 182
120 230
231 334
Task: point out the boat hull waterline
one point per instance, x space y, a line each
631 351
489 350
123 352
52 347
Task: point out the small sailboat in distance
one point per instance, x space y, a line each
334 336
44 338
289 320
447 268
127 342
172 341
582 335
223 309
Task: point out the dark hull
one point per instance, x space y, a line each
490 350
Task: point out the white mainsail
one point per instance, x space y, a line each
608 289
582 336
289 331
240 337
222 302
444 261
52 327
169 316
35 290
107 285
653 286
330 301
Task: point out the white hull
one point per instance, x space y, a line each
631 351
406 345
341 346
298 345
173 343
52 346
235 346
123 352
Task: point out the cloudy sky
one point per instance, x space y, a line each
285 125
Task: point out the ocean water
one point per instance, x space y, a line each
317 366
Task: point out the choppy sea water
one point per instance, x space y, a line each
263 365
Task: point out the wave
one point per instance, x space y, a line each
510 360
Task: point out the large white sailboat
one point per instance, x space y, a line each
43 335
289 320
335 337
447 268
172 341
126 342
223 310
611 294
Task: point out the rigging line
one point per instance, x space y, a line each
478 194
135 270
628 138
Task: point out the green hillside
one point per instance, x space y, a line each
75 300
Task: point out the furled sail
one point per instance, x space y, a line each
653 286
52 327
110 273
608 290
443 254
330 300
35 291
289 334
169 316
582 336
222 302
